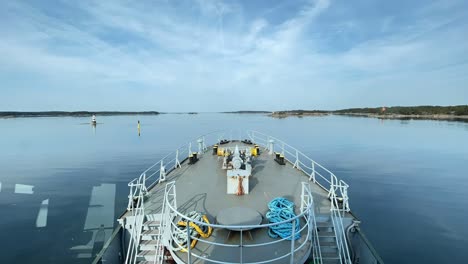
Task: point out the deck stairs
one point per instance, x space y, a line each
327 239
151 249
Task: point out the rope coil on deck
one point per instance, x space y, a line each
282 209
180 233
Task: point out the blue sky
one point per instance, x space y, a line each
212 55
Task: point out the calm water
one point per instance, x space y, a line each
61 181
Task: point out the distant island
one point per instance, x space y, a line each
12 114
247 112
298 113
458 112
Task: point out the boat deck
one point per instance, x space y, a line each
202 187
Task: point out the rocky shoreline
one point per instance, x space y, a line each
371 115
284 114
406 117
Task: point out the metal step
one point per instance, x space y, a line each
151 232
148 244
327 240
149 255
330 255
331 261
324 224
332 250
151 223
154 217
326 234
328 244
150 261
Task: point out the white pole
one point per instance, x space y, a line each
271 147
293 235
189 254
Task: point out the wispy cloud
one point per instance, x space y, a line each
309 54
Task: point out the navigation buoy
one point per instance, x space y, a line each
138 127
93 120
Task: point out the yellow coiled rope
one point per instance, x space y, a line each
181 237
200 231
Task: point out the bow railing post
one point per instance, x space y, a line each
303 200
162 172
331 191
296 163
312 174
177 162
189 242
271 147
293 237
344 195
200 146
143 185
130 198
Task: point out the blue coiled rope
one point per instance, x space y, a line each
282 209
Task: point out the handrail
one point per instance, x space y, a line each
339 230
316 172
294 157
231 226
306 212
138 213
307 198
173 159
330 184
157 258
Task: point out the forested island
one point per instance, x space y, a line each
247 112
299 113
458 112
12 114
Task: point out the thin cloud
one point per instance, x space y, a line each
317 56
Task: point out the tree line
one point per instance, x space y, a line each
410 110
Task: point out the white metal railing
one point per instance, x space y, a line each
309 230
337 214
156 173
337 190
166 217
306 200
136 206
316 172
153 175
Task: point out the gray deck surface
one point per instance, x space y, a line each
202 187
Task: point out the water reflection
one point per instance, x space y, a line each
41 220
99 220
404 122
24 189
53 224
65 186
